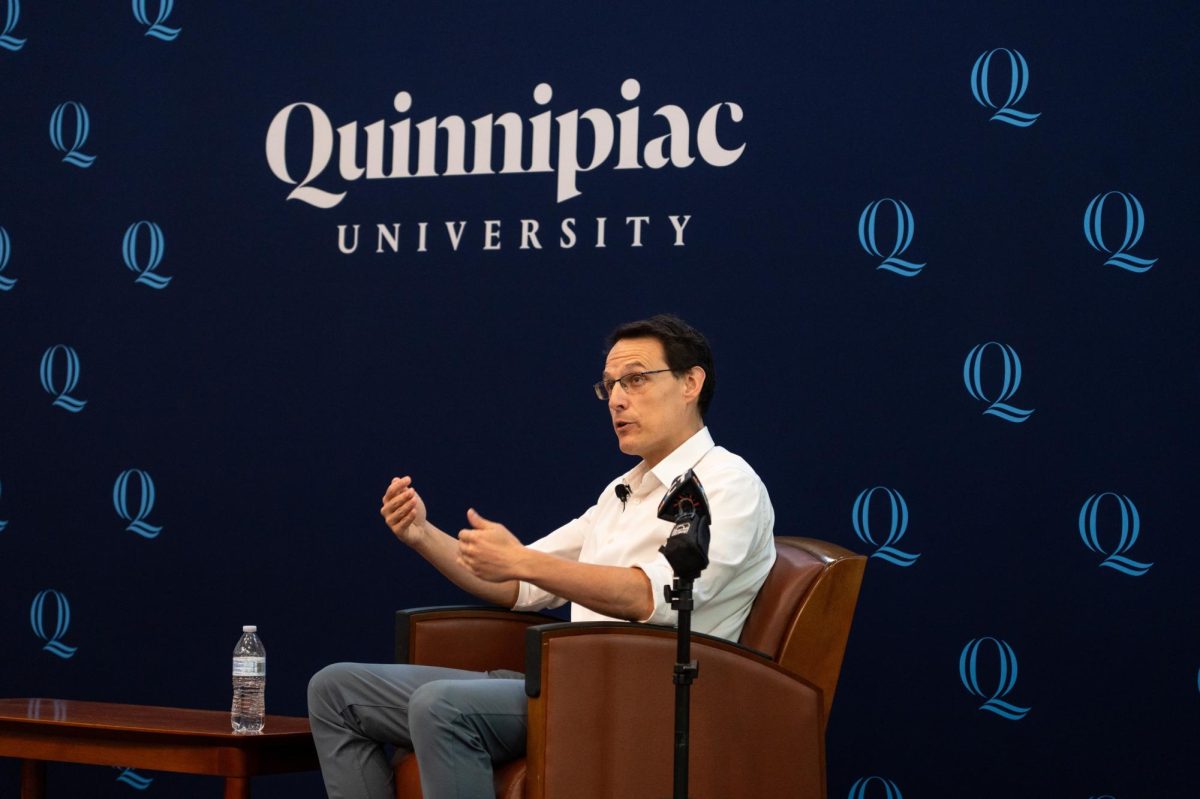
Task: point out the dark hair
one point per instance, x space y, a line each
684 346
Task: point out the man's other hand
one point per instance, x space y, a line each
403 510
488 550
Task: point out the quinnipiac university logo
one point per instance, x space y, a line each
78 131
904 235
156 245
1135 223
860 518
70 377
1018 83
145 504
60 621
6 283
968 672
155 28
859 789
1131 524
12 15
973 378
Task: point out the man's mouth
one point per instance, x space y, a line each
621 424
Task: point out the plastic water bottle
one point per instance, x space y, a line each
249 683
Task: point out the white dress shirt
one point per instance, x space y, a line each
611 533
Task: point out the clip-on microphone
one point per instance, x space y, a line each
687 551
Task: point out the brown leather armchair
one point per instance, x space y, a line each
601 698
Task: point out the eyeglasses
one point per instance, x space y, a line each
631 383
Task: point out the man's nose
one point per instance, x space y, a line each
618 398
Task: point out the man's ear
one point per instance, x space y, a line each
693 382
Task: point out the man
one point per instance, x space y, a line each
658 380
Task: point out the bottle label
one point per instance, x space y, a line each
249 667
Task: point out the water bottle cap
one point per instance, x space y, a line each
250 628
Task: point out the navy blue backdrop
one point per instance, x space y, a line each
947 282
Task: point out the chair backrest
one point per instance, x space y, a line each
801 617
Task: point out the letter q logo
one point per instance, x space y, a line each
1018 83
898 525
888 789
136 515
155 28
1131 525
80 131
1135 223
905 227
60 618
12 15
134 780
6 283
968 672
973 378
70 377
155 246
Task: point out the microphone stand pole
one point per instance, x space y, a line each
686 671
686 550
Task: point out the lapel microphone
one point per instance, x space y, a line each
623 491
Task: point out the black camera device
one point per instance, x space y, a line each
686 505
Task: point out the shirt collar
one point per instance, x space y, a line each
684 457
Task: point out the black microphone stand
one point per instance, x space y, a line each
687 552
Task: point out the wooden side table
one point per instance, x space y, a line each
154 738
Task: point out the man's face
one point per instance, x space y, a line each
655 419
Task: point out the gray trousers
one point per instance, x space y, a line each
457 722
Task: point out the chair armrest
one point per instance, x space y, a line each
602 708
464 637
536 636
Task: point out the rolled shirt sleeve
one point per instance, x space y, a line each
565 542
740 554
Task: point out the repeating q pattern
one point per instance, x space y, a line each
391 252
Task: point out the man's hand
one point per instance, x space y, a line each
488 550
403 510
